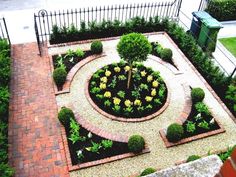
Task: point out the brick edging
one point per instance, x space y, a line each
192 138
201 78
72 72
123 119
114 137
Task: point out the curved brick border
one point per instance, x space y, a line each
114 137
72 72
123 119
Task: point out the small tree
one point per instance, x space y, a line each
133 47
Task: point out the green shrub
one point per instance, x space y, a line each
225 155
96 47
166 54
175 132
148 171
136 143
5 63
65 115
59 76
4 100
197 94
192 158
222 9
79 53
231 96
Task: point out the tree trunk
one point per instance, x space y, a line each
129 76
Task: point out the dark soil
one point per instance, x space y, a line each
118 148
122 86
199 130
66 60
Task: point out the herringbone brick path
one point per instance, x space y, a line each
36 146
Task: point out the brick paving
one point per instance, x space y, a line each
36 147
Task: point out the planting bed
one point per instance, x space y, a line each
108 89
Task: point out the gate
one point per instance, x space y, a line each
44 20
3 30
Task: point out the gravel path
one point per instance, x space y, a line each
160 157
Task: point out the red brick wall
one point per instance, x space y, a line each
228 169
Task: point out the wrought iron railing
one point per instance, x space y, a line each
44 20
3 30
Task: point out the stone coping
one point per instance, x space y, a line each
123 119
101 133
192 138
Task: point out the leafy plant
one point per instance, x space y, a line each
202 108
70 54
95 90
94 148
116 108
225 155
143 87
4 100
122 77
121 94
204 124
79 53
128 110
106 144
74 132
107 103
231 96
190 126
148 171
113 82
135 93
80 155
192 158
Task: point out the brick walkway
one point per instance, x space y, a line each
36 147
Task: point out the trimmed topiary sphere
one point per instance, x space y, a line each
197 94
166 54
192 158
147 171
96 47
65 115
136 143
175 132
59 76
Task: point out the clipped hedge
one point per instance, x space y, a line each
222 10
136 143
5 62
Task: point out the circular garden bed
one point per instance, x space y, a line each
146 95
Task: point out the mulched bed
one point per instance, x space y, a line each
118 148
121 85
66 60
199 130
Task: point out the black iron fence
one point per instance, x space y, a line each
203 5
44 20
3 30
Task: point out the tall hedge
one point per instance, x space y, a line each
5 169
222 10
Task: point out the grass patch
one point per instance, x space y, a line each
230 44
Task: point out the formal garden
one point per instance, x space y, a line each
137 95
131 97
